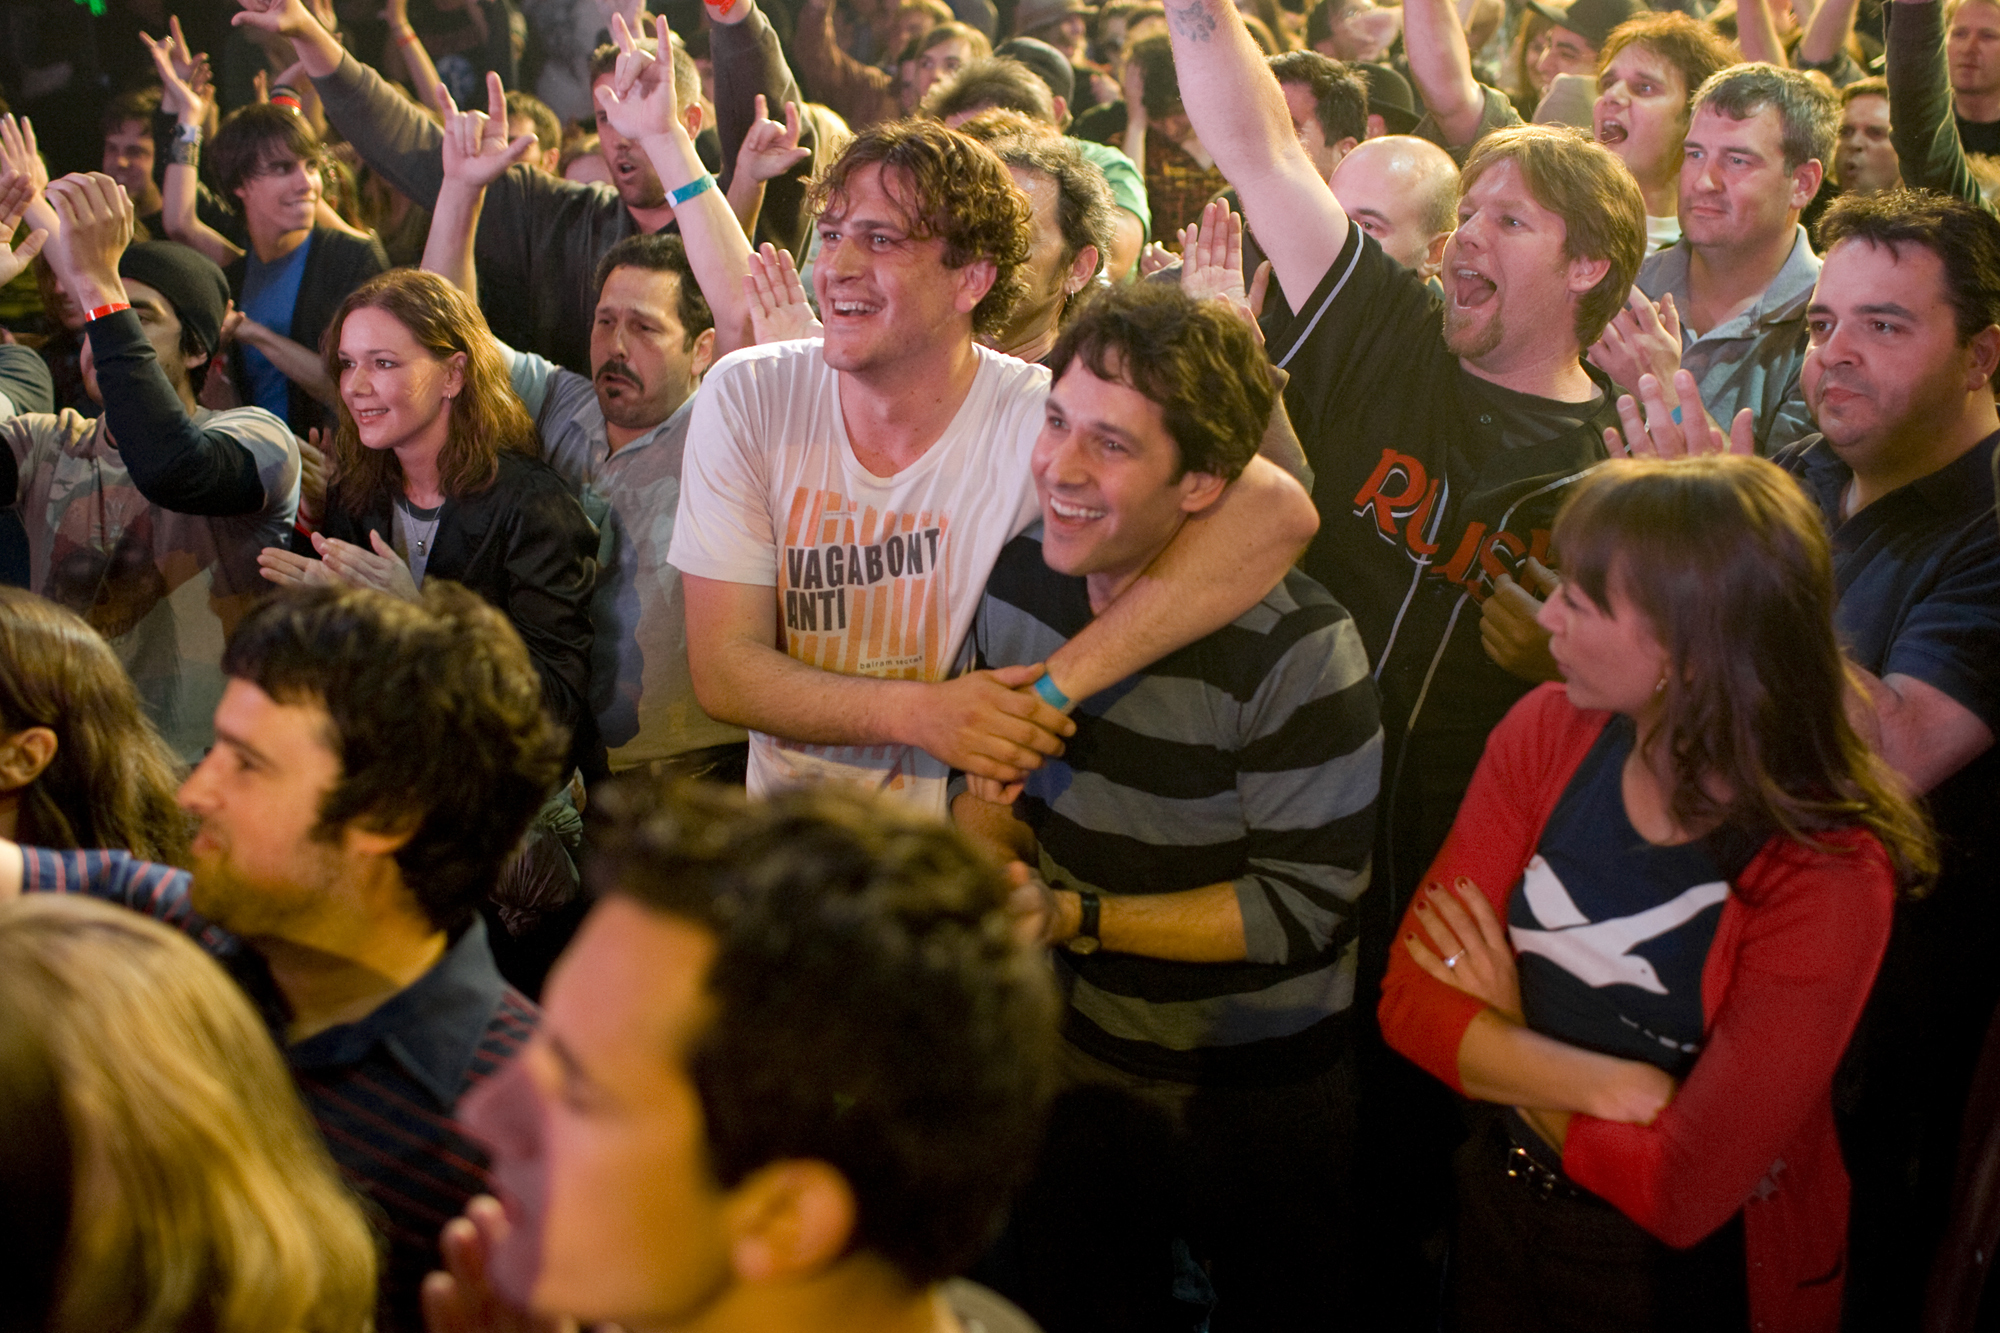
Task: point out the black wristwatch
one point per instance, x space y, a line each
1085 940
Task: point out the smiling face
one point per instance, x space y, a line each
1104 468
1641 113
398 391
280 196
262 868
1884 374
1509 290
1735 189
1972 46
596 1131
1609 656
1866 162
642 361
885 296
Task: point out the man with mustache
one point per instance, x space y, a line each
617 436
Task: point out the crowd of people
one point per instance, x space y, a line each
902 665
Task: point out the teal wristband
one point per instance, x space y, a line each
1055 698
698 185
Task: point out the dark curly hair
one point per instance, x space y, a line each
872 1008
436 716
951 188
1198 361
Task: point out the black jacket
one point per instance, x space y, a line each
524 545
335 266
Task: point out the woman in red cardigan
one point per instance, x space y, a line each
1651 931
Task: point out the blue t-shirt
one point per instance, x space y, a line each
1612 931
269 293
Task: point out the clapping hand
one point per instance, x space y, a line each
1667 430
476 150
1641 339
778 308
94 221
342 562
1212 262
15 195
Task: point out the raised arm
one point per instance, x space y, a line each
751 78
475 154
1757 33
1921 124
769 150
392 136
416 60
190 105
861 93
1441 69
1237 110
1828 33
174 463
639 103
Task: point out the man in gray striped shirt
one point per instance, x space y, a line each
1199 846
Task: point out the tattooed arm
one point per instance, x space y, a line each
1239 114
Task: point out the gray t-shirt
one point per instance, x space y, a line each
641 690
164 588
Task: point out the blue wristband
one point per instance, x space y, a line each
1055 698
698 185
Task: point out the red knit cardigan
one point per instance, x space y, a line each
1795 953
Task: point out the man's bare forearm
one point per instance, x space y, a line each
762 688
1218 566
1203 925
1441 68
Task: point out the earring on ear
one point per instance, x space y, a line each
1661 688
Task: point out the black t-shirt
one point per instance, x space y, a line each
1612 931
1979 136
1429 481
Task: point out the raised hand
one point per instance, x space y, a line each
16 193
476 150
185 86
778 308
1212 255
639 99
94 221
769 150
1686 430
281 18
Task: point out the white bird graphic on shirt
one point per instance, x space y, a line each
1599 953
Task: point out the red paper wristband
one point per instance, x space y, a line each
99 312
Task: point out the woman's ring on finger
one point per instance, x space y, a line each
1453 960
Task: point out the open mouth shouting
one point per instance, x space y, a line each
1470 288
1611 131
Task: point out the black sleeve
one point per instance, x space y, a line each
175 464
25 379
748 60
551 573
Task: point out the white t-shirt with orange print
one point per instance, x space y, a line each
874 576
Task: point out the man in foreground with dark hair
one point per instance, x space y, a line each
376 760
1199 852
790 1072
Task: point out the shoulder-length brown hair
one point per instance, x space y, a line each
163 1139
112 780
486 416
1728 561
